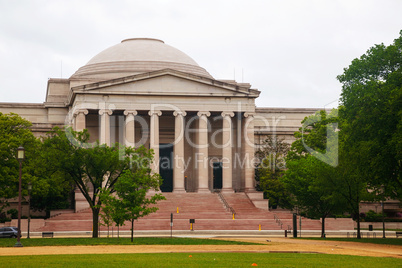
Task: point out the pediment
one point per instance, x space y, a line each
166 82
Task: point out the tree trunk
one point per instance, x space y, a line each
95 222
132 230
323 227
358 224
383 221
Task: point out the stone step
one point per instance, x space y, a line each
207 210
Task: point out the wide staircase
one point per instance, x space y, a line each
212 211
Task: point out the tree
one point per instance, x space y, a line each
311 167
92 167
371 102
118 215
350 183
270 168
51 188
106 211
133 186
14 132
318 136
307 180
111 210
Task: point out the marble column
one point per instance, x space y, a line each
178 161
154 138
227 144
249 170
201 162
129 132
80 119
104 127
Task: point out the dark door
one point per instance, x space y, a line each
166 166
217 175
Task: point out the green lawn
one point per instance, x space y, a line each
387 241
198 260
35 242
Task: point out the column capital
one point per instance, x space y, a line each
157 112
206 113
176 113
105 111
247 114
231 114
80 111
133 112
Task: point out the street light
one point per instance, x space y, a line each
29 206
20 157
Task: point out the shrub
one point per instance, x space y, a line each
372 216
13 213
3 217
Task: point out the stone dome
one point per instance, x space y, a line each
135 56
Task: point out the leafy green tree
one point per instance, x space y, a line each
51 188
118 215
307 180
92 167
350 182
311 167
371 102
371 129
270 169
111 210
106 211
133 186
14 132
318 137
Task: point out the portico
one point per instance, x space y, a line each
201 140
143 92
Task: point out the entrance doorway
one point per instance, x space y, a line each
217 173
166 166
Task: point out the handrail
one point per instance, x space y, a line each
225 203
278 221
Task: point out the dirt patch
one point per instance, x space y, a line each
274 245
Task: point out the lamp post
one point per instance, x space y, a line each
20 157
29 206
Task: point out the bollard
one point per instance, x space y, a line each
177 210
259 227
233 216
286 233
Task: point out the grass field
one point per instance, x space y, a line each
37 242
387 241
198 260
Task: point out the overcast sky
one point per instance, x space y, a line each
291 51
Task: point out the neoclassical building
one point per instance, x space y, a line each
203 131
